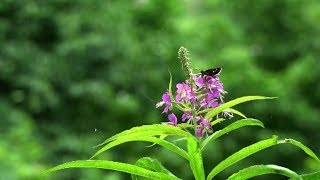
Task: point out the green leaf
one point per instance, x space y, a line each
231 127
301 146
236 112
180 139
255 148
216 121
162 137
258 170
153 165
241 154
155 140
214 111
185 125
111 165
311 176
149 130
195 159
170 86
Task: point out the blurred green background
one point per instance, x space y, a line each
73 73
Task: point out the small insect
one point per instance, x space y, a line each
211 72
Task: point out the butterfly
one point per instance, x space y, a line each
211 72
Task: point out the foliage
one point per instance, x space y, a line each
153 169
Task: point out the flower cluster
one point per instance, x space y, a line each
192 96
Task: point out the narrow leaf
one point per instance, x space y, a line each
185 125
195 159
214 111
258 170
236 112
231 127
153 165
171 96
111 165
170 86
162 137
241 154
149 130
216 121
311 176
155 140
301 146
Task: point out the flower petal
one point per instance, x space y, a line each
173 119
199 132
165 110
166 98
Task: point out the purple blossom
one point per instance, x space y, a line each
184 93
199 132
165 110
205 123
205 127
186 116
203 103
199 81
173 119
204 92
165 100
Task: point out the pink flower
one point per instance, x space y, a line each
165 100
173 119
204 92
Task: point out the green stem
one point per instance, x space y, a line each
194 113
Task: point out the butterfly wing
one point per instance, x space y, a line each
211 72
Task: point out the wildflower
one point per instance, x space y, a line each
184 93
205 127
173 119
199 81
165 100
186 116
202 93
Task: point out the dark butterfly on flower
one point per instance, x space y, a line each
211 72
